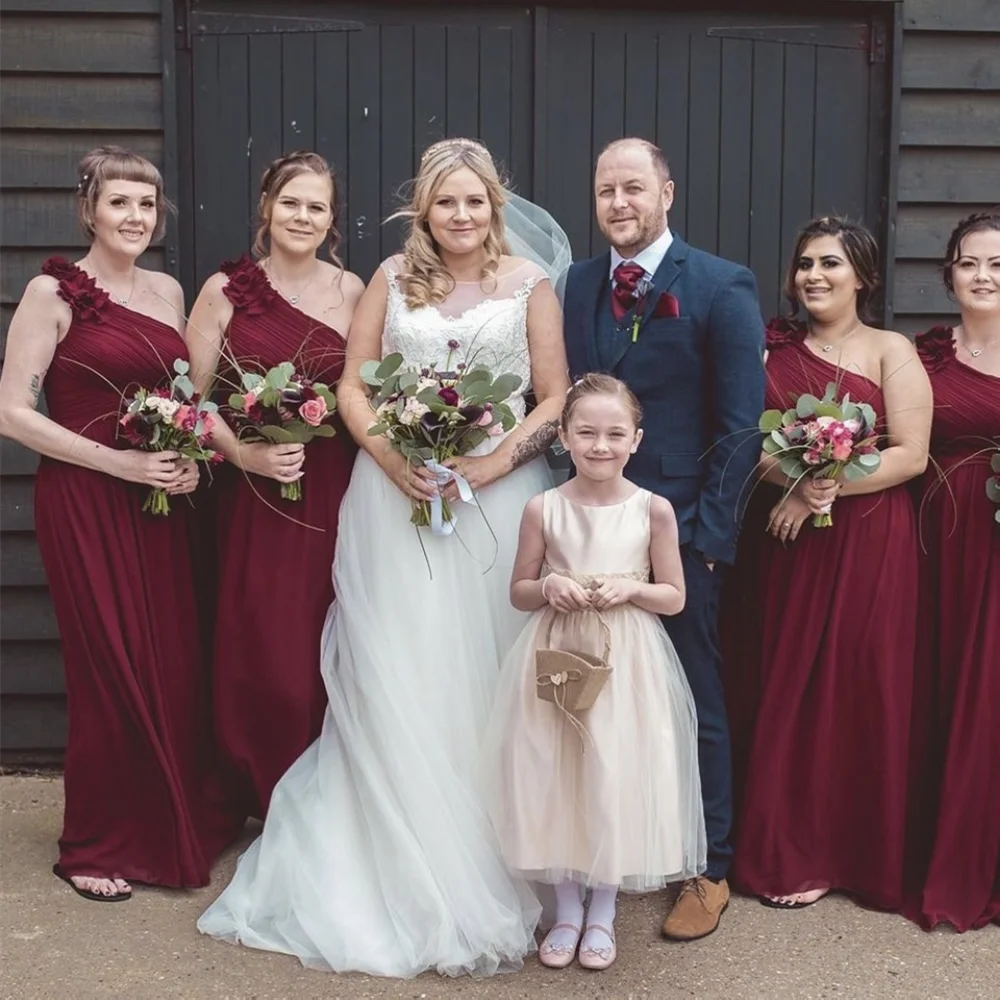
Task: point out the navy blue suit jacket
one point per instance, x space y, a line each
699 378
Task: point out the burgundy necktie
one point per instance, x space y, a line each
626 278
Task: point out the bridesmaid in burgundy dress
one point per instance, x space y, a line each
960 592
274 585
138 765
820 671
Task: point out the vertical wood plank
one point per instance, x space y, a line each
672 104
495 94
396 145
430 93
332 94
735 137
463 81
207 180
364 175
840 158
265 111
703 148
569 135
232 213
298 91
765 170
521 102
797 147
641 57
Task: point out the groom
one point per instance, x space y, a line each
683 329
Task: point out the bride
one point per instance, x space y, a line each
377 854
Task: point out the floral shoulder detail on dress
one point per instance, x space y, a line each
77 288
936 348
782 331
247 288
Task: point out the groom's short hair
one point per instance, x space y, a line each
656 154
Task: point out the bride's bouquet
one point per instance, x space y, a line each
430 416
823 438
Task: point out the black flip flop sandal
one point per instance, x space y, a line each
775 905
96 897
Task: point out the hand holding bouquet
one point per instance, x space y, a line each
824 439
430 416
171 419
282 407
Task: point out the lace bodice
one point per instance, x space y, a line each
474 326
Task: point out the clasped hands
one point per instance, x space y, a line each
565 594
808 497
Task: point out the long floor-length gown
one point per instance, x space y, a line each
378 854
274 555
959 717
819 645
142 799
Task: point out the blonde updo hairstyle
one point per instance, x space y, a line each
424 277
275 177
600 384
114 163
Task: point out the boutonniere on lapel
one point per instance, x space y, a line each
666 306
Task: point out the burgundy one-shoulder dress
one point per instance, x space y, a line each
275 556
140 777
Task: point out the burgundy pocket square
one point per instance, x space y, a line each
667 307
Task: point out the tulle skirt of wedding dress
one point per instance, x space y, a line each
378 855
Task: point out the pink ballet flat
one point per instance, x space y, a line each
558 956
598 959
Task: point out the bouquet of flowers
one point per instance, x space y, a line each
430 416
993 483
823 438
282 407
170 419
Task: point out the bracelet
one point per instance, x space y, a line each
545 580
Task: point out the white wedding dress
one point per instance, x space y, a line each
377 854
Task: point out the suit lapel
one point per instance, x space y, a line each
666 274
596 281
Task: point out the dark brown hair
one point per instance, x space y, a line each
277 175
655 153
860 248
114 163
597 384
978 222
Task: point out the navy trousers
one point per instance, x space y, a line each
695 635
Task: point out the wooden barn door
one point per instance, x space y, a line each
368 88
764 125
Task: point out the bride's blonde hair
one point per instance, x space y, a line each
424 277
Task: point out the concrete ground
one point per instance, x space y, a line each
56 946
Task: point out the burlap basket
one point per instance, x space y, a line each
571 679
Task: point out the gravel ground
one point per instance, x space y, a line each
56 946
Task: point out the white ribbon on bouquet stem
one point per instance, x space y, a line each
443 476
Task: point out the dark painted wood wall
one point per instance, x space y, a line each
73 74
949 156
76 73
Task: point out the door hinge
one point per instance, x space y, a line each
182 25
877 42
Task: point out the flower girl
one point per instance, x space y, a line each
603 796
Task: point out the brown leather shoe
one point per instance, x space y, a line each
698 909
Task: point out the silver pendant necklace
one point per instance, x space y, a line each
826 348
293 299
121 300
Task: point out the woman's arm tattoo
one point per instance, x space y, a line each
534 444
36 387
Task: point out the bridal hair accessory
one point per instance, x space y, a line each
572 679
457 143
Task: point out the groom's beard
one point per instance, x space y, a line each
647 230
